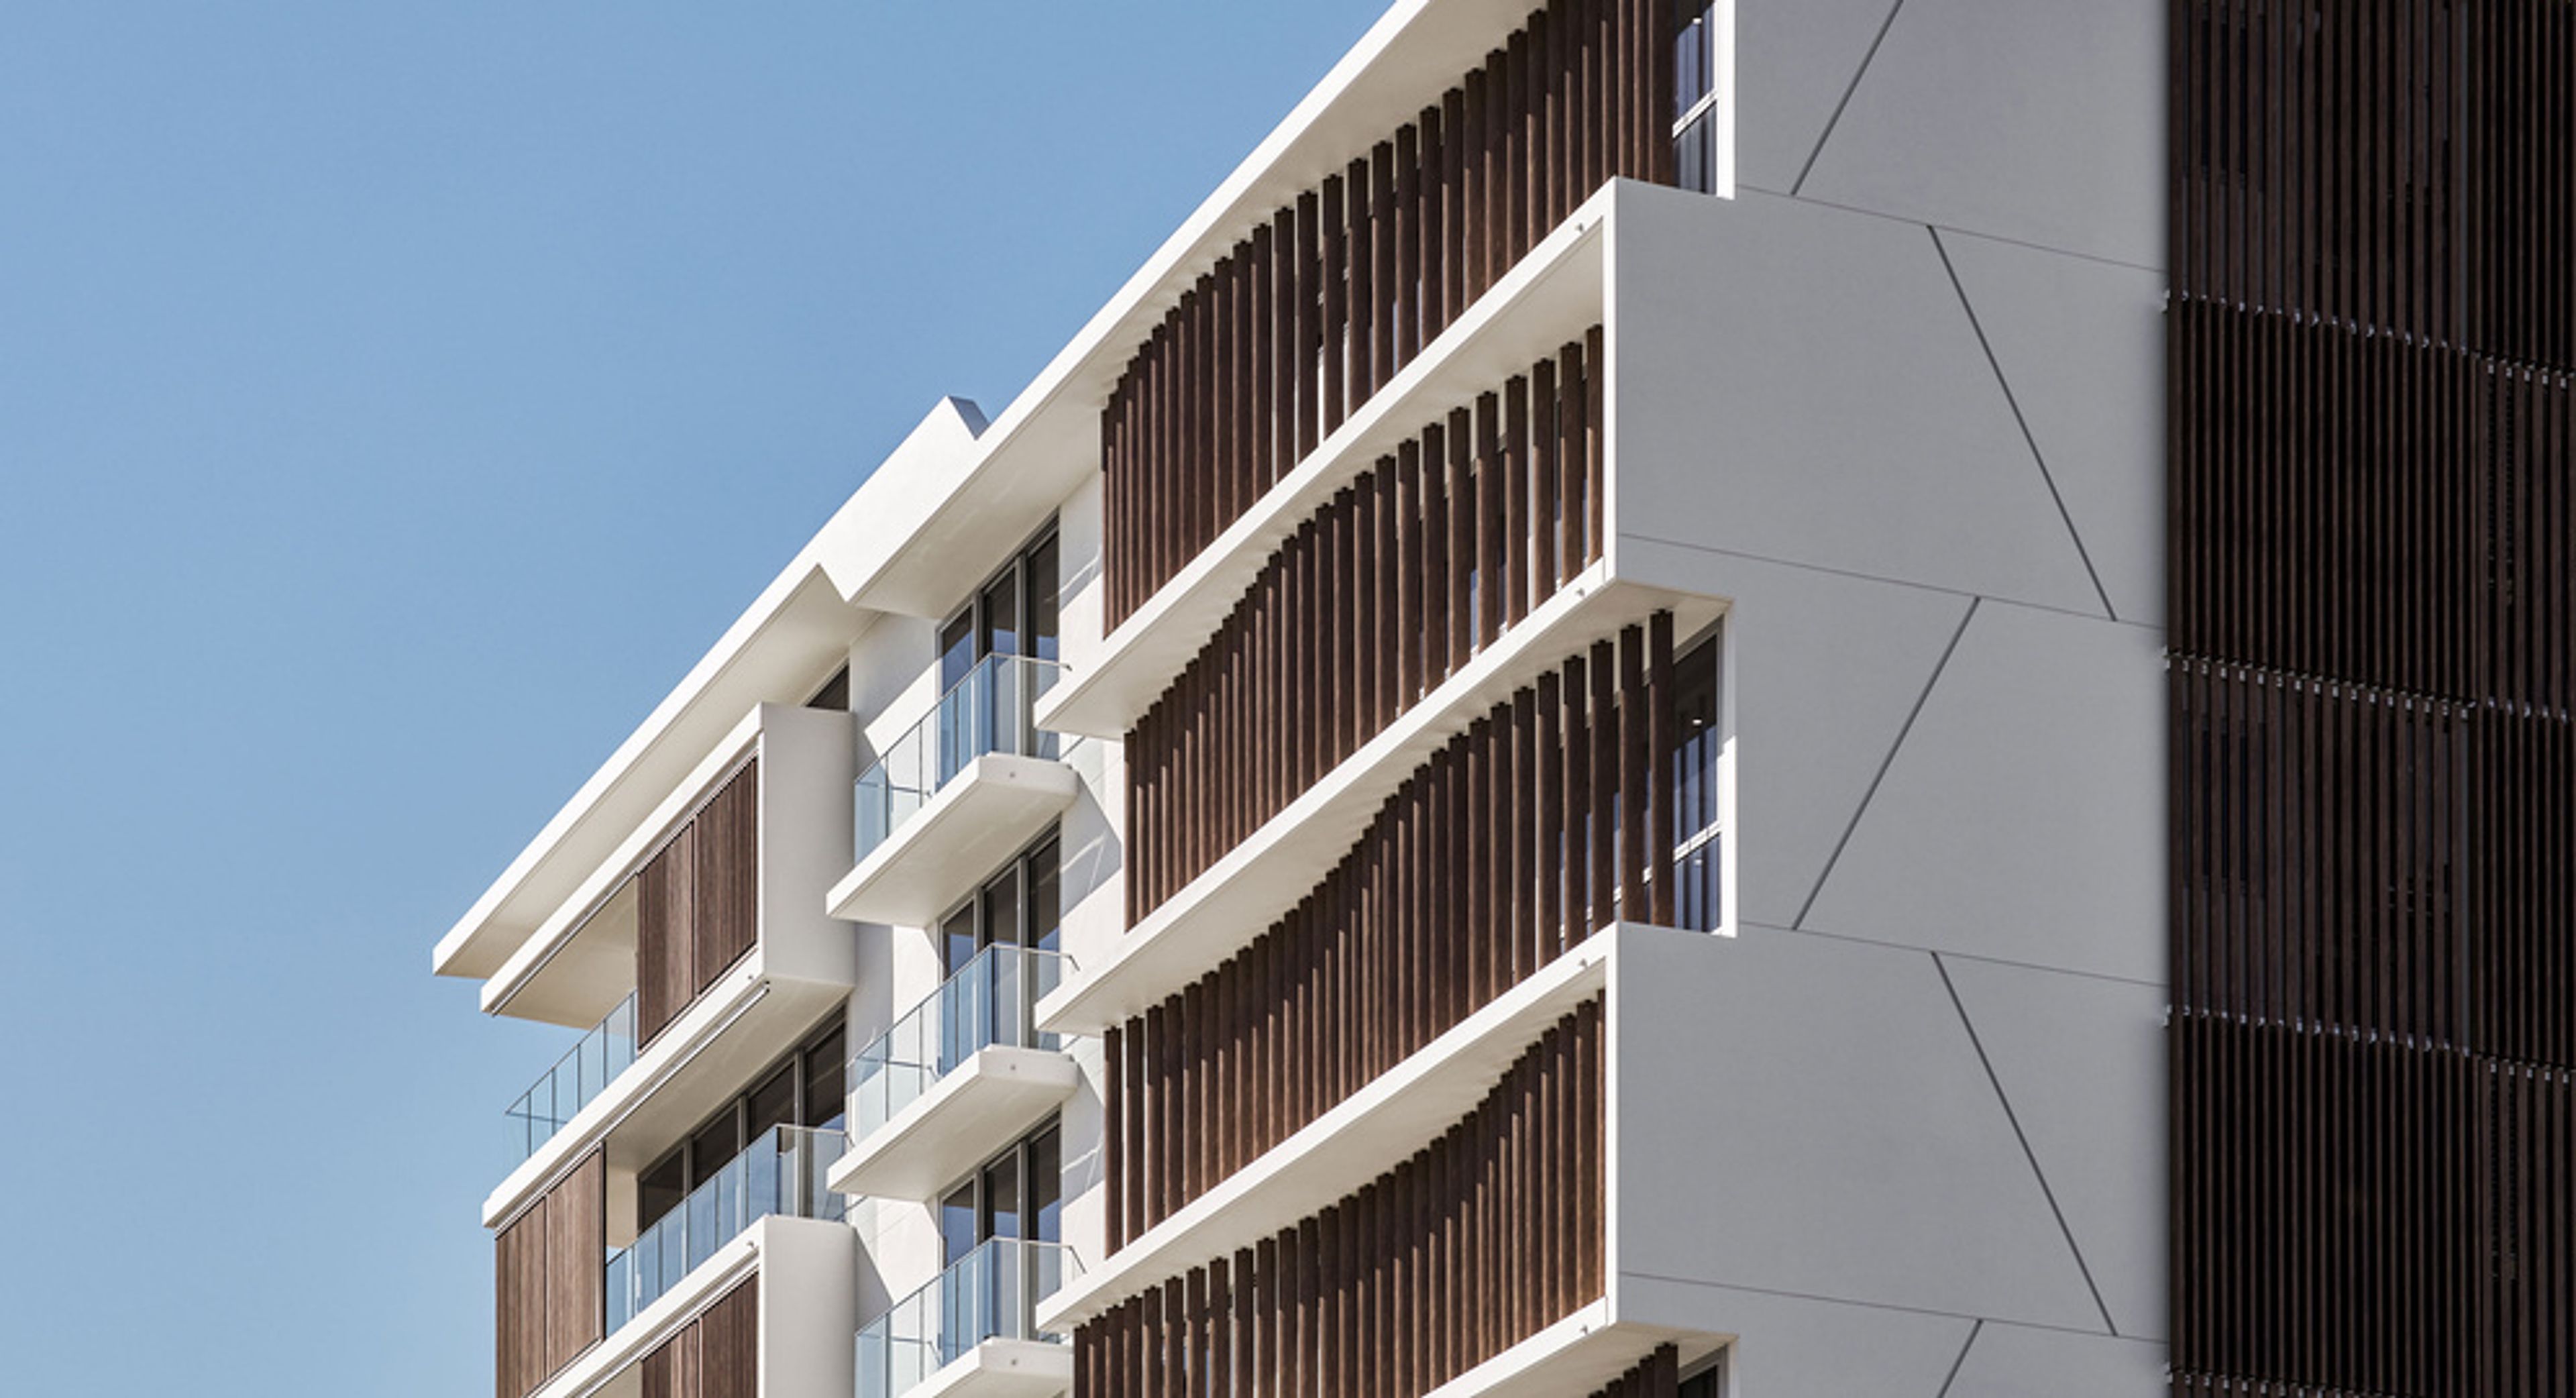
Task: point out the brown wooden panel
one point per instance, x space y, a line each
519 1304
729 1344
575 1243
1304 319
665 935
727 884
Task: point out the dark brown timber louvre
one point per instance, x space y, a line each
697 903
549 1293
2373 625
1351 620
1481 1239
1310 315
1434 912
714 1356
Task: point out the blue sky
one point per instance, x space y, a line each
394 401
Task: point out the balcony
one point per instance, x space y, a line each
958 1077
969 783
973 1332
780 1174
573 1083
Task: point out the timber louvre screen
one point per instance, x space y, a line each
1442 904
2373 610
1479 1240
1394 585
1311 313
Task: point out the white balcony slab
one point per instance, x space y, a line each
1551 296
689 1069
1384 1122
1003 1369
982 816
983 1105
1580 1353
1238 897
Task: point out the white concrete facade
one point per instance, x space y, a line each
1889 417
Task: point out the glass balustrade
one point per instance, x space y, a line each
990 1003
991 1293
986 712
780 1173
576 1078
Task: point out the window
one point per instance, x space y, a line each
1703 62
1013 613
1707 1382
1699 809
1017 1194
1021 906
802 1089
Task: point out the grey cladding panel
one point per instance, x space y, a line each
2082 1061
2041 121
1794 60
2081 345
1802 384
2023 819
1805 1115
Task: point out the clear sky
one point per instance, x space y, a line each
395 399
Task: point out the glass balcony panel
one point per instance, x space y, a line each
576 1079
991 1293
779 1174
990 1003
985 712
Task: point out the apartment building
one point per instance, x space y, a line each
1545 762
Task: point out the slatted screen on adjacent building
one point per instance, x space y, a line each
2373 619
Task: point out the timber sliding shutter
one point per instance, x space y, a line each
1313 312
2372 437
716 1355
550 1292
697 903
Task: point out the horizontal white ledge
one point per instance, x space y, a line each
1552 295
1362 1137
1002 1369
1236 899
1581 1353
966 1117
979 818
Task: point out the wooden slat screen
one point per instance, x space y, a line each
2373 618
549 1291
519 1289
1390 589
716 1355
1445 902
2400 165
697 903
1309 315
576 1243
1479 1240
2371 508
666 942
728 877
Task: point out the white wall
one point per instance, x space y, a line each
1905 416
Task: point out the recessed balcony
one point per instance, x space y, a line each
973 1332
969 783
780 1173
957 1078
